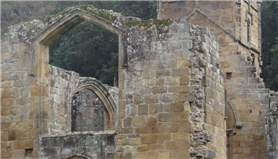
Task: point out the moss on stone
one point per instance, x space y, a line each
148 23
102 14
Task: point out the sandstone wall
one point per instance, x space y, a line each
241 62
20 92
230 15
251 11
171 93
251 99
173 88
221 12
62 84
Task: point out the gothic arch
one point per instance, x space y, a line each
56 26
102 92
77 156
65 21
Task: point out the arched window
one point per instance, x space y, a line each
93 108
87 112
77 157
57 26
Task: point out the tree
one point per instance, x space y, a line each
270 43
91 50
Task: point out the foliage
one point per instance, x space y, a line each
87 49
270 43
91 50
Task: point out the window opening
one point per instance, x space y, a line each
228 75
87 112
89 50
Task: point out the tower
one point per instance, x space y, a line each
237 25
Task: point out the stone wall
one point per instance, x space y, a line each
230 15
171 92
240 60
271 127
62 84
19 91
173 87
221 12
87 145
251 11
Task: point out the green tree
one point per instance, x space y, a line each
91 50
270 43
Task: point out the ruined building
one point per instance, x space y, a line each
189 87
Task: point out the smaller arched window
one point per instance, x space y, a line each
78 157
93 108
87 112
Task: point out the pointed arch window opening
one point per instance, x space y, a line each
40 69
88 112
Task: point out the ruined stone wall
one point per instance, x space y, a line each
171 94
240 60
89 145
62 84
172 90
22 112
19 91
271 127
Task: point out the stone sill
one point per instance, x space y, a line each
84 133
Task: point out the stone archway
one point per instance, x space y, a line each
65 22
58 25
104 96
232 122
77 156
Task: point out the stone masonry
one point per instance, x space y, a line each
238 31
170 102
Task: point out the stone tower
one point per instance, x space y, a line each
238 29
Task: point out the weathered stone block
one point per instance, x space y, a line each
143 109
145 130
4 135
148 138
133 141
179 154
181 71
163 137
172 127
163 117
6 102
151 120
178 89
172 80
144 147
163 154
181 136
138 121
166 97
149 99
